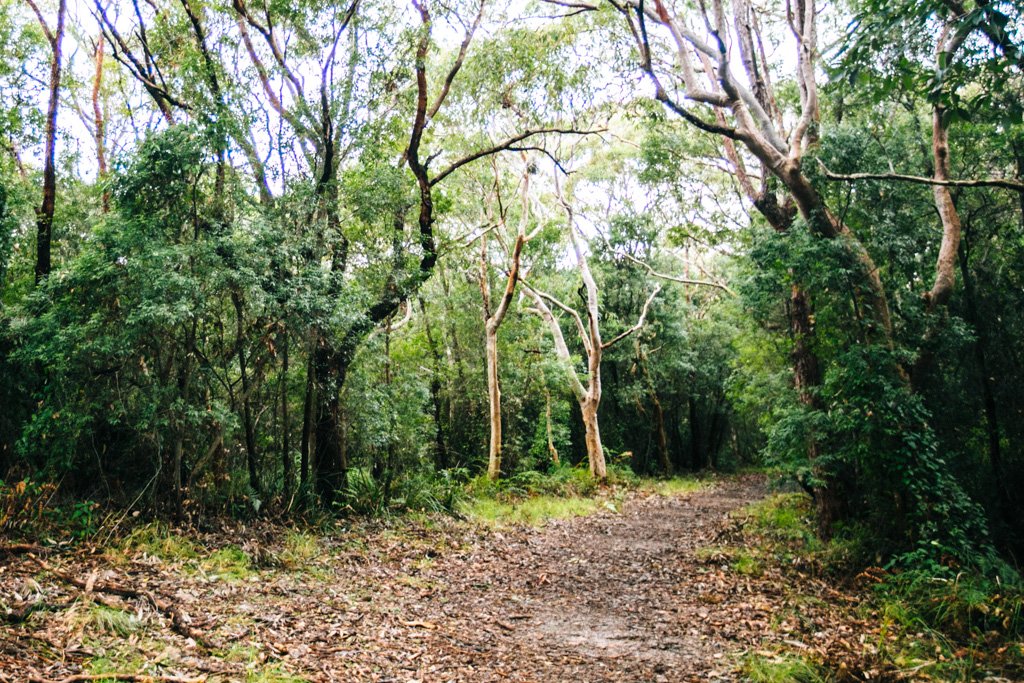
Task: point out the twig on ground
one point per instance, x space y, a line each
179 620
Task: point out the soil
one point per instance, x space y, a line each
638 594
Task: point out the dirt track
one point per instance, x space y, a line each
612 597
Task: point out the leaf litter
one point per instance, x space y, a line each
643 593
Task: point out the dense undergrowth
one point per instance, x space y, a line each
936 621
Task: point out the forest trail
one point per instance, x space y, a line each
630 595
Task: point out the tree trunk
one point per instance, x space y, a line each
287 465
328 464
251 458
44 215
307 422
440 447
493 402
995 454
552 451
99 123
664 462
595 451
696 459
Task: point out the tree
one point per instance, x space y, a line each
589 396
44 214
493 319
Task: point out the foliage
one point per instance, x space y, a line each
535 510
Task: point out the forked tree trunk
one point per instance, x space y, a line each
493 321
589 396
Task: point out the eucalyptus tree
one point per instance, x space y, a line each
588 396
495 315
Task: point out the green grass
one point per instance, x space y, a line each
532 511
760 668
156 540
273 674
98 618
230 563
676 486
300 548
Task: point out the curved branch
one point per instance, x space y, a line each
505 146
639 323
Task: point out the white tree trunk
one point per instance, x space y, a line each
494 401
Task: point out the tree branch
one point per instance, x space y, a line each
505 146
1004 183
639 323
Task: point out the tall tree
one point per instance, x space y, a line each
587 396
44 214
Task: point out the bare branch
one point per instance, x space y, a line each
568 309
1004 183
505 146
463 48
639 323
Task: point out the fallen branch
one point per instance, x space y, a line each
23 549
179 620
137 678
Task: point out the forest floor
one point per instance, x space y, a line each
650 588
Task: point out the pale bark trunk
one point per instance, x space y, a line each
494 402
491 324
100 125
595 451
589 396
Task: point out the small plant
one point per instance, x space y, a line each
677 486
157 540
299 549
758 668
23 506
747 564
113 621
230 563
532 511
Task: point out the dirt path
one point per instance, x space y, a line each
627 596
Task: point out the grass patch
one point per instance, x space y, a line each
747 564
676 486
157 540
95 618
761 668
532 511
230 563
300 548
273 674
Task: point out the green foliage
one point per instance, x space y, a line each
564 481
156 540
113 621
962 606
760 668
229 563
421 491
534 510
